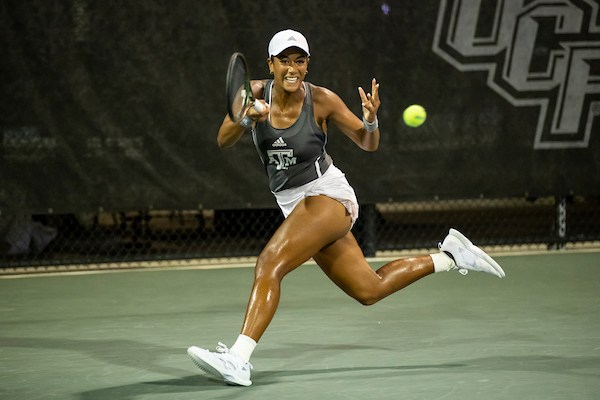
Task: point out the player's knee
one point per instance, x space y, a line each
268 266
369 301
264 269
366 298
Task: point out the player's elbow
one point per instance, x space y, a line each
370 147
224 141
221 143
369 142
374 147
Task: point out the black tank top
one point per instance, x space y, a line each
296 155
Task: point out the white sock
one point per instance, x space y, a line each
243 347
442 262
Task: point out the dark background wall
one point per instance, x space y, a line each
115 105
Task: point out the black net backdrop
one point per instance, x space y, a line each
112 108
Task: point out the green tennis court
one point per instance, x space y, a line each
123 335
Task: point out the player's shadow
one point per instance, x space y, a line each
202 383
574 366
192 384
127 353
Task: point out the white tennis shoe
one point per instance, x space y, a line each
223 364
467 256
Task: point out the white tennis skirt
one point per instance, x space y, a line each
332 183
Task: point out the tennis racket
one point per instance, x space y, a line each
238 90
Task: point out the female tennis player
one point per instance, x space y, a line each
320 206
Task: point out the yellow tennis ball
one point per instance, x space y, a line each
414 115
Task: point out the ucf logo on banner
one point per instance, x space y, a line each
536 53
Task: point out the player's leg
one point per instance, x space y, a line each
314 223
345 264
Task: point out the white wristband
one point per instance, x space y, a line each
246 122
371 126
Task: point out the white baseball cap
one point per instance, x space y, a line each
286 39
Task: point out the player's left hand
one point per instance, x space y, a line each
370 101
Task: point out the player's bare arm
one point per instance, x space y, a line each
329 106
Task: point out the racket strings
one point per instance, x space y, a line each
238 94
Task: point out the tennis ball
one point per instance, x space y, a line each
414 115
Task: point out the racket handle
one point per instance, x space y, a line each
258 106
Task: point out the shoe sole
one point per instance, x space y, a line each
209 369
465 241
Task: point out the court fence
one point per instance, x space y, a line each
39 243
